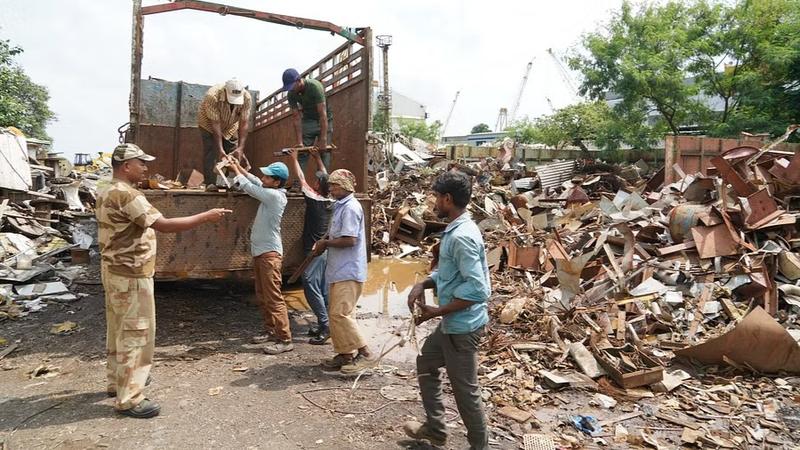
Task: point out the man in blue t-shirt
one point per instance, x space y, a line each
462 282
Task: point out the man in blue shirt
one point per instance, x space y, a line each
462 282
267 249
346 271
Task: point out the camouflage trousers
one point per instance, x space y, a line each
130 336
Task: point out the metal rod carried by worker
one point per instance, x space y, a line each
301 149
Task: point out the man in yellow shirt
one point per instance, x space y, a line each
223 118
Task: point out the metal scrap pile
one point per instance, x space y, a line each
47 210
642 291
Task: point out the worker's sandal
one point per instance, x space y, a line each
337 362
278 348
421 431
360 364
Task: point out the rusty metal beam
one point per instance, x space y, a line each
280 19
136 71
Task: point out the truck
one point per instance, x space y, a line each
163 122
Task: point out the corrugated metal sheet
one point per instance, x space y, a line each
552 175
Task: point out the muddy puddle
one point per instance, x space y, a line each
389 280
382 311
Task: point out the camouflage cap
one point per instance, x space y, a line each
127 151
343 178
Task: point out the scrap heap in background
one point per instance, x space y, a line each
615 283
47 209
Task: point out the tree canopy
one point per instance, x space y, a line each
480 128
421 130
23 103
715 67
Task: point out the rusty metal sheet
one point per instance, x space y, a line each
762 209
790 173
732 177
714 241
222 249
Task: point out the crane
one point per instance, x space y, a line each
502 120
514 110
449 115
565 76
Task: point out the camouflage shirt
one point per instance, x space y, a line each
127 243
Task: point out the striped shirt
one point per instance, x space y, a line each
127 243
215 108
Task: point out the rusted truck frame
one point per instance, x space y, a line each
163 122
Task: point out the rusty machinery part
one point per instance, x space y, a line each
123 131
351 34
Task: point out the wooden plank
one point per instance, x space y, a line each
676 420
730 310
622 418
621 325
613 260
705 295
676 248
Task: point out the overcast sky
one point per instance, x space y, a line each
80 50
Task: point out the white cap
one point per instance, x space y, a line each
234 90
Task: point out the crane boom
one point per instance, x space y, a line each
449 114
565 76
521 90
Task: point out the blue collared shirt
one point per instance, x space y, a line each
266 233
350 263
463 274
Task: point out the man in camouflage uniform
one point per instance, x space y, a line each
126 221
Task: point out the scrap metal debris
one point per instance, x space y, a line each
606 279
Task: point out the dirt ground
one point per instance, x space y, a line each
216 389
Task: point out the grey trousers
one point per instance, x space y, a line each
458 355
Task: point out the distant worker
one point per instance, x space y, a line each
127 242
462 282
313 120
267 249
315 227
346 272
223 118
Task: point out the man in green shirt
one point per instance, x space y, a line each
313 121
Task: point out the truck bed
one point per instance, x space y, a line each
222 249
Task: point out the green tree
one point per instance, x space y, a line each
480 128
589 121
672 57
379 121
419 129
642 59
760 82
23 103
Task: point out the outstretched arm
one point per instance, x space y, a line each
178 224
295 166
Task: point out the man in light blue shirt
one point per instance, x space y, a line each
346 272
462 283
267 250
